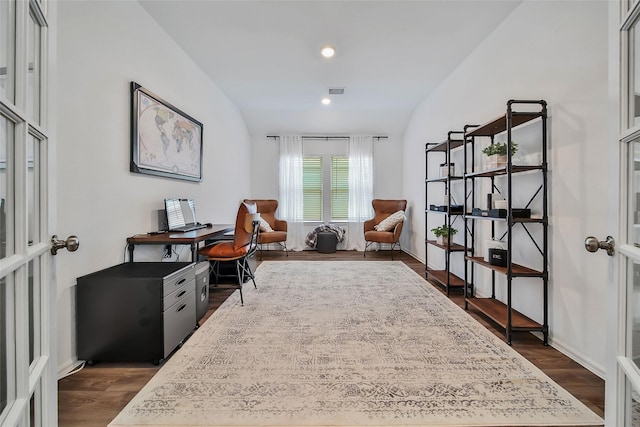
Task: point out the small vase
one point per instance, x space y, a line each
442 240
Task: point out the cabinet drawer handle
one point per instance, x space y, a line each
181 307
180 294
179 282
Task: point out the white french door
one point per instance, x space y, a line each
622 402
28 387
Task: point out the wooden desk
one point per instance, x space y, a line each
191 238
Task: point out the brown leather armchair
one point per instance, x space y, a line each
267 210
383 209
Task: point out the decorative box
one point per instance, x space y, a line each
501 213
498 257
500 204
479 212
447 169
491 244
493 199
455 209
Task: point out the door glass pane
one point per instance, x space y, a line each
634 192
35 407
633 350
632 406
6 364
6 190
33 73
4 386
7 51
34 310
32 410
33 189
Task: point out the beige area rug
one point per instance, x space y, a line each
347 344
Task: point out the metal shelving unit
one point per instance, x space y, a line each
444 276
502 312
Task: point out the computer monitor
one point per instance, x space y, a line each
180 213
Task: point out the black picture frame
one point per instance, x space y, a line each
165 141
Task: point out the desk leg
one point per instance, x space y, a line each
194 252
131 248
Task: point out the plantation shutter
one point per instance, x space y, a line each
339 188
312 182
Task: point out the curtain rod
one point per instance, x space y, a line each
326 138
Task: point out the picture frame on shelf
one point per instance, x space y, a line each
165 141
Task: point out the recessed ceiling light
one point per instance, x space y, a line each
328 51
326 101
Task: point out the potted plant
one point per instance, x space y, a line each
497 153
442 234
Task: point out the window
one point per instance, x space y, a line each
326 188
312 188
339 188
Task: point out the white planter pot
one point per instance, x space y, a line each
496 161
442 240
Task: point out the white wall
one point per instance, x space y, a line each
387 168
103 46
555 51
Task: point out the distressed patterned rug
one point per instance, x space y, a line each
348 344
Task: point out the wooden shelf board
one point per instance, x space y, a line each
437 147
488 173
499 124
444 179
454 246
441 277
442 146
497 311
494 218
517 270
455 143
443 212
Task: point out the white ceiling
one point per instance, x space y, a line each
265 56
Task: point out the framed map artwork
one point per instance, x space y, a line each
165 141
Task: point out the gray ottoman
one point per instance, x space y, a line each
326 242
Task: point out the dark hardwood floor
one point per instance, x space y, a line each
93 396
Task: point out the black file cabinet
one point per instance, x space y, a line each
136 311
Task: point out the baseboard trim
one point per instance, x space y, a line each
412 255
67 367
585 362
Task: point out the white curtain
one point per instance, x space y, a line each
290 204
360 189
